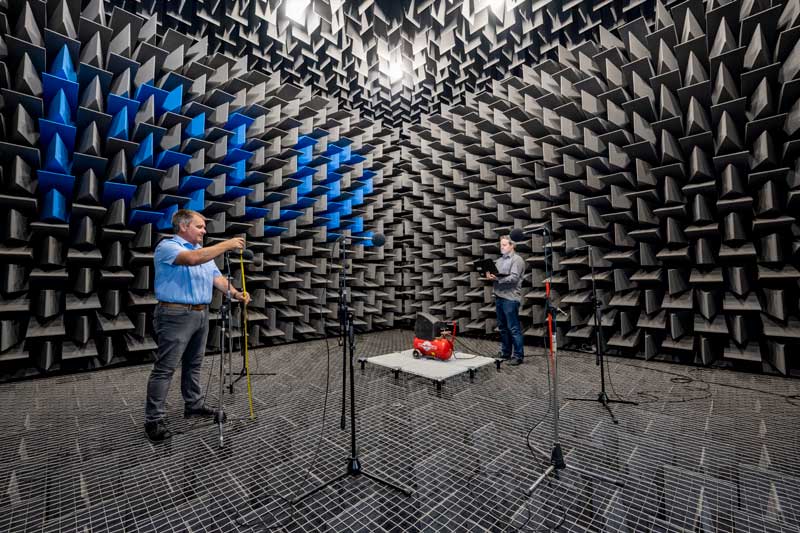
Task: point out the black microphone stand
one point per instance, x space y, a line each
225 326
556 455
348 352
343 327
599 340
242 346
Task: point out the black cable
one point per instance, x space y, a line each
607 365
260 521
549 405
787 397
459 340
681 378
521 529
508 528
610 382
477 352
535 455
653 396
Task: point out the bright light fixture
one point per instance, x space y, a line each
296 10
498 6
395 72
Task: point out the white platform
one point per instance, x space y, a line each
434 369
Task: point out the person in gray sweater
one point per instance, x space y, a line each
508 299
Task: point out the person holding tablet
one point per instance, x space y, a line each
508 299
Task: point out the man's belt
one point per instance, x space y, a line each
192 307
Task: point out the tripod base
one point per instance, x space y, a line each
557 463
353 469
243 374
219 420
603 398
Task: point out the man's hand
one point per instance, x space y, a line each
237 243
491 276
242 297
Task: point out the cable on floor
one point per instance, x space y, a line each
684 379
476 353
260 521
509 528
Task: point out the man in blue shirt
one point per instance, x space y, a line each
508 298
185 276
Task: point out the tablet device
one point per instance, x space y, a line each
482 266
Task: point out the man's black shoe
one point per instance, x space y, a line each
157 431
202 411
515 362
501 355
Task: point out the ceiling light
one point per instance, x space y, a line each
395 72
296 10
499 7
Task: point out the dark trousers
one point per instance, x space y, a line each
181 335
509 326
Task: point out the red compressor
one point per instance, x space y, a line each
432 339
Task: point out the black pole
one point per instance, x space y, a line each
556 455
348 351
599 342
354 466
242 347
598 330
343 326
224 317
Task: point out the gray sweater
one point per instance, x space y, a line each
509 286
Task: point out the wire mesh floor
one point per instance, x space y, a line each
704 451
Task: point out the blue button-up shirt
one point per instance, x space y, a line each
182 284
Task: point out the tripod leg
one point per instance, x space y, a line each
603 398
346 318
318 488
550 470
404 490
219 415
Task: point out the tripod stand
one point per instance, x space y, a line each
225 326
602 397
556 456
244 372
346 318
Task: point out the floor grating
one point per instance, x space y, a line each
706 450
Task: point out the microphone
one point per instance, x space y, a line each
250 256
378 239
518 235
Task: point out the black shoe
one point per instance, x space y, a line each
501 355
515 362
157 431
203 412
